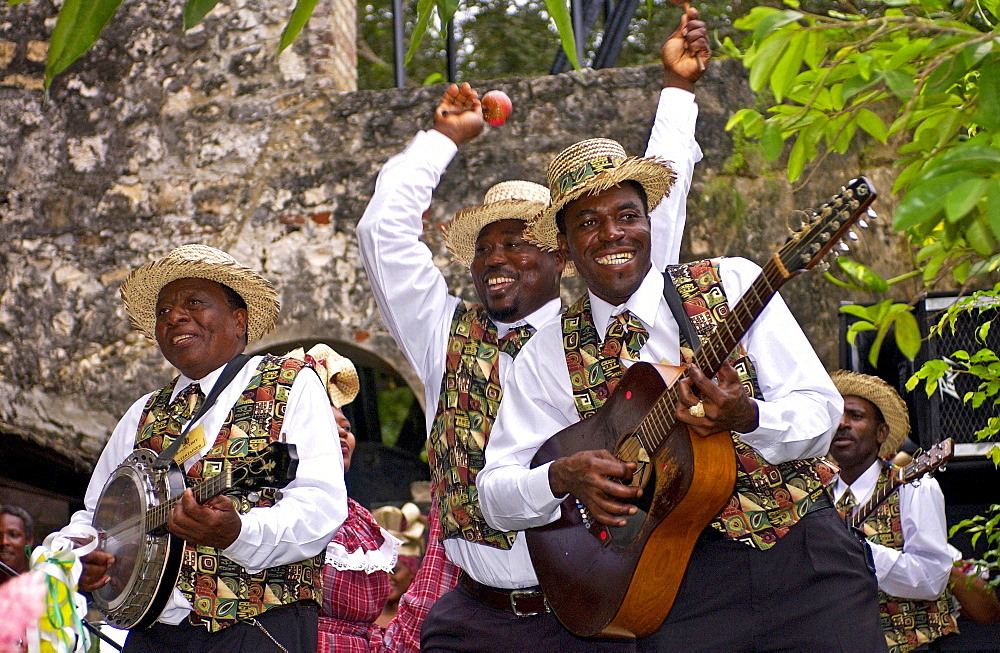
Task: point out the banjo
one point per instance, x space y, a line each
131 523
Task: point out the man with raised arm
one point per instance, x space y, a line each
462 350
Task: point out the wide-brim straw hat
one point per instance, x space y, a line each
338 374
142 286
593 166
508 200
885 397
406 524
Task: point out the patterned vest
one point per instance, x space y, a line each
221 591
467 406
768 499
907 623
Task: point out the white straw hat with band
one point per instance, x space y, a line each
142 286
882 395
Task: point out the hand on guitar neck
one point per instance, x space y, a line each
725 403
214 523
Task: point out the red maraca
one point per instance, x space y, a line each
496 107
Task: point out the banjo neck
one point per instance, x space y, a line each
156 517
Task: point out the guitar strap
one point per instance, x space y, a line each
680 315
166 457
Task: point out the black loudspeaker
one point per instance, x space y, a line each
944 414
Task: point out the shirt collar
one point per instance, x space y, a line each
863 486
644 303
548 312
206 382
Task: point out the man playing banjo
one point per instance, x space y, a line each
251 565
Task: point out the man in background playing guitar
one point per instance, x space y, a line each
908 533
777 568
250 575
497 605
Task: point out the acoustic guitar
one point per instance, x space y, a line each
622 582
924 463
131 523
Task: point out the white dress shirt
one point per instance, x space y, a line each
312 507
417 308
800 413
921 569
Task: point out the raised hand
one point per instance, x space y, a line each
460 114
683 50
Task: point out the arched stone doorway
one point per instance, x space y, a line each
388 423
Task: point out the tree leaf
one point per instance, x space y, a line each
924 200
907 335
300 16
900 83
424 9
797 158
196 10
977 234
871 123
767 56
787 68
560 16
771 141
862 275
963 197
774 21
79 25
993 206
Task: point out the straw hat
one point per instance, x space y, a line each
142 286
593 166
885 397
405 524
508 200
335 371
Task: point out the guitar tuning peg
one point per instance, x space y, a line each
862 224
843 247
823 265
852 236
872 215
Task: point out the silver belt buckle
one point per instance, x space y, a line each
515 594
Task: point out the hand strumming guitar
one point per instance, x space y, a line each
725 403
599 480
214 523
460 114
95 567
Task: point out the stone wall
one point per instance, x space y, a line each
158 138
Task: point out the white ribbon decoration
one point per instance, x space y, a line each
59 547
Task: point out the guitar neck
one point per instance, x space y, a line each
878 497
156 517
714 350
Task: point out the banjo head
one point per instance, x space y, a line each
140 557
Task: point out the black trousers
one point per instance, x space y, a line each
812 591
294 626
460 622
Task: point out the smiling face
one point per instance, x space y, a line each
197 329
607 236
513 278
857 441
13 539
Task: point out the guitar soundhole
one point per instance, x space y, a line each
630 449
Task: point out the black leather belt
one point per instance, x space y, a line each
526 602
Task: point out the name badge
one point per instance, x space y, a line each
193 443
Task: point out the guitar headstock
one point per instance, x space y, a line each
930 460
825 226
273 467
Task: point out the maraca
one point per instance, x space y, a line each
496 107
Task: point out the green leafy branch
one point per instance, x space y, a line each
80 23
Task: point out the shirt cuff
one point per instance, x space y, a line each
435 148
246 544
766 439
538 492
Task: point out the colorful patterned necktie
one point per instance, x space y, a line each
511 343
625 337
183 408
846 504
